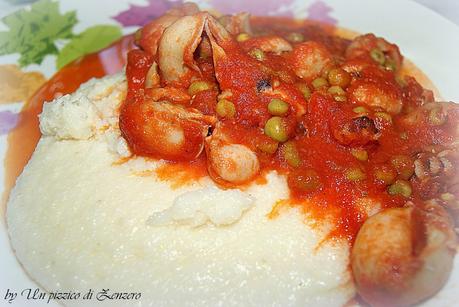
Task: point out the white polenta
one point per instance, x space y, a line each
79 221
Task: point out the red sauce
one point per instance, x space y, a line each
182 173
331 181
325 152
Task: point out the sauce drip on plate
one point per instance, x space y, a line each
23 139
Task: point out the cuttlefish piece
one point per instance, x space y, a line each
165 130
363 45
229 162
158 128
152 79
218 37
181 39
187 8
216 32
273 44
236 24
153 31
402 256
177 45
310 59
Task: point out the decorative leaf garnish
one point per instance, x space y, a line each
32 33
91 40
138 15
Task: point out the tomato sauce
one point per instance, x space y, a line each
351 158
347 158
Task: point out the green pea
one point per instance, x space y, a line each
447 197
400 80
336 90
355 174
225 108
340 77
404 166
319 83
340 98
384 116
278 107
257 54
198 86
360 154
378 56
275 129
291 154
437 117
295 37
307 180
268 147
304 89
390 65
242 37
385 174
400 187
360 110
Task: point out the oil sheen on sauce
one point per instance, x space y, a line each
23 139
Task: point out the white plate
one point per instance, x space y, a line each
424 37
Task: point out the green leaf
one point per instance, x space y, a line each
89 41
32 32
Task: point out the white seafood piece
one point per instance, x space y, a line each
238 23
187 8
375 96
364 44
152 80
180 40
234 163
309 59
153 31
218 37
274 44
177 45
172 94
165 129
434 113
403 255
162 128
